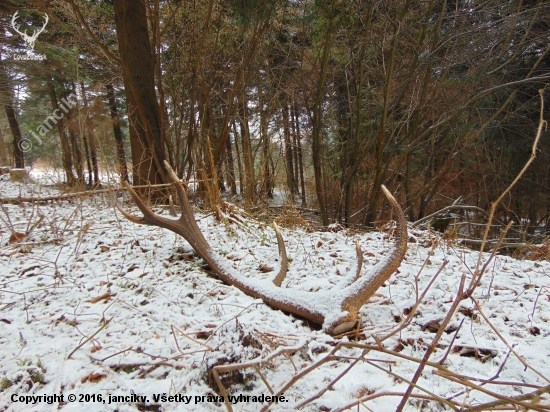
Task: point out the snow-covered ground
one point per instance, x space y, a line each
94 306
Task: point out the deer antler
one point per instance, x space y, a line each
337 310
30 40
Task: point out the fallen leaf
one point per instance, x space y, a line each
93 377
203 334
533 330
99 298
483 354
431 326
265 268
467 312
188 256
399 347
17 237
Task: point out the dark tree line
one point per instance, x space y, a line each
326 99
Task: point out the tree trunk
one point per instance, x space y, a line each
239 162
267 171
382 139
317 134
7 97
77 153
266 174
14 126
66 156
290 181
230 167
91 136
218 161
300 156
295 155
147 141
249 192
73 125
88 159
121 156
4 160
191 137
346 144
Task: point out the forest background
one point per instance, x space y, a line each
326 99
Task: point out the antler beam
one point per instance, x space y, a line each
337 310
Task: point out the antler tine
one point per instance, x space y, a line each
149 218
172 207
352 277
185 226
358 293
181 192
359 254
171 172
132 218
282 253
